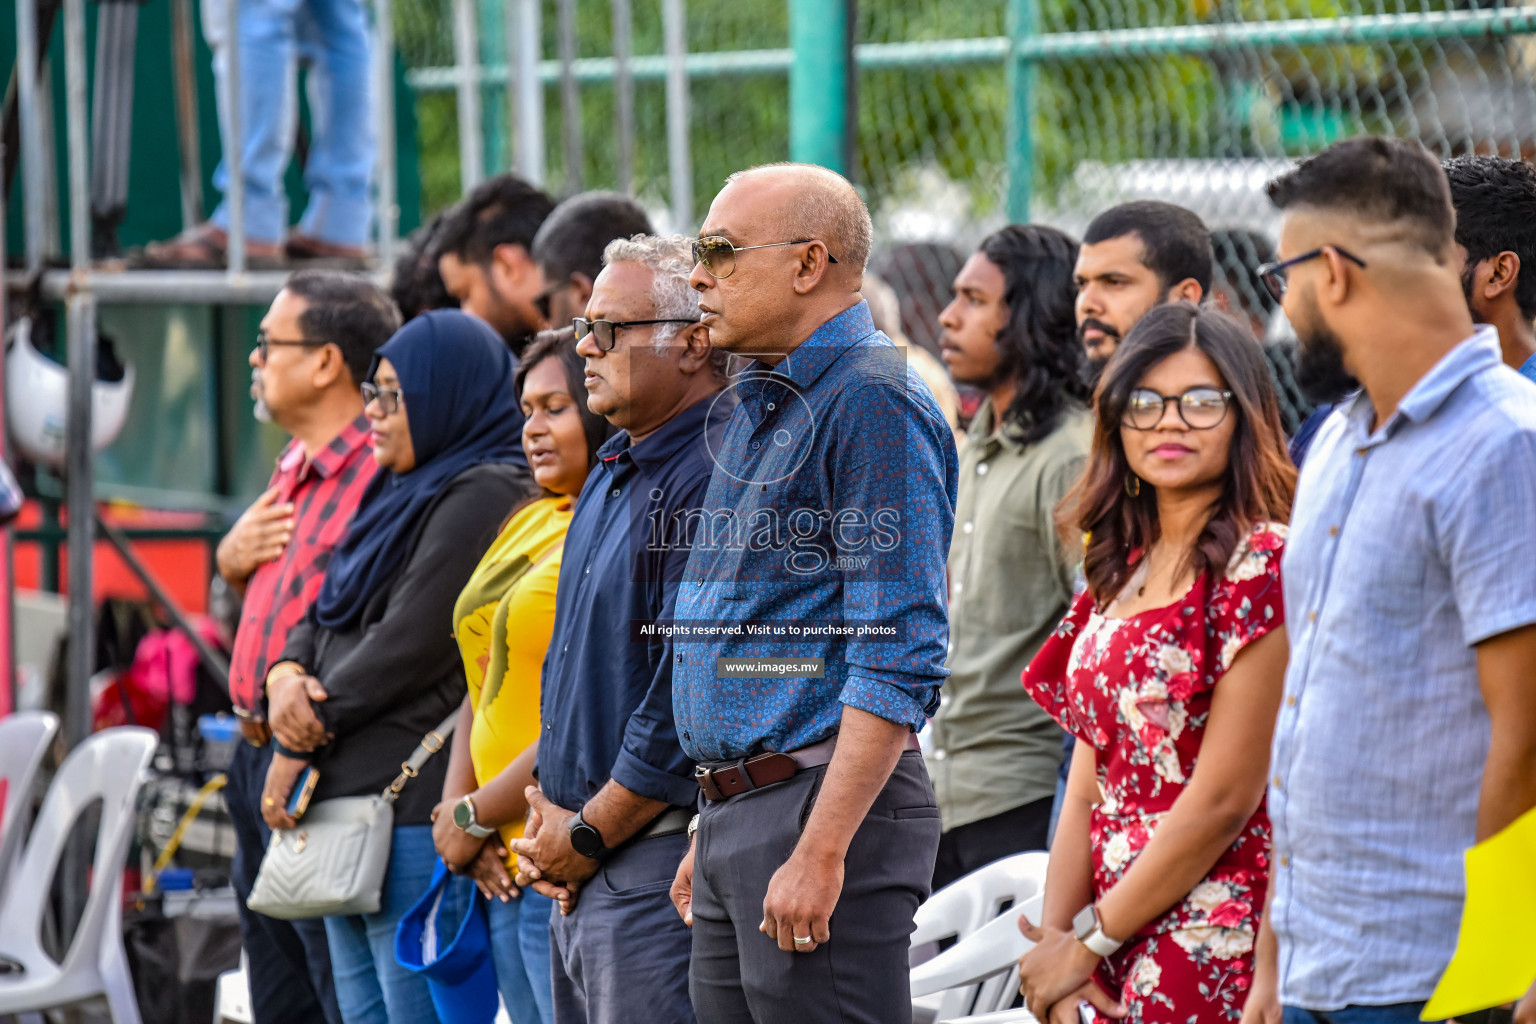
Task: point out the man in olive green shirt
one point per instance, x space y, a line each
1011 332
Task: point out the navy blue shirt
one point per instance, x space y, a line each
607 687
825 534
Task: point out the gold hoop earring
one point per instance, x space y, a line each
1132 485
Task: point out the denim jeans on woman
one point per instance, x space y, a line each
371 987
520 949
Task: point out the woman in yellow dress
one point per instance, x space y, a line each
502 621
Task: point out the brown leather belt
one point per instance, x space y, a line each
256 732
721 780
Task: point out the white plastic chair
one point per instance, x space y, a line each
108 766
984 964
24 739
958 911
232 996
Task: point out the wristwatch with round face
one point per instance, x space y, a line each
464 818
1090 932
585 839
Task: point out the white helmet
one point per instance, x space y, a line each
37 400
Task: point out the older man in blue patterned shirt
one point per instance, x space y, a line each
1408 727
810 626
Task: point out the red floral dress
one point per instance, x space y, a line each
1138 690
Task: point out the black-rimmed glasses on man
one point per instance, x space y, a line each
1275 275
265 344
605 332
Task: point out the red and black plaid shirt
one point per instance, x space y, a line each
324 491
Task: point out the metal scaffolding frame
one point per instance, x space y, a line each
82 289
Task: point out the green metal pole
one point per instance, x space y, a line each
819 82
1023 25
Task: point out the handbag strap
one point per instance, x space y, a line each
430 744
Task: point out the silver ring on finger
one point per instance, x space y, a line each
802 942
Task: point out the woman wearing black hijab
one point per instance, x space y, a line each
374 666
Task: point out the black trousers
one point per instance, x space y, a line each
740 976
288 963
965 848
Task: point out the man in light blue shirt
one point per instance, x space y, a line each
1407 731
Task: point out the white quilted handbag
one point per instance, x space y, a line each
333 863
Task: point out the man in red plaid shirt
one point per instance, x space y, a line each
314 349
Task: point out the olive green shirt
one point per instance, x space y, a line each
1010 583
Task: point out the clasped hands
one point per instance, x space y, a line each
1057 974
546 862
483 860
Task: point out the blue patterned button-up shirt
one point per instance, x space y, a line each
828 519
1408 546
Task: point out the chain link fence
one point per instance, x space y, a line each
1197 102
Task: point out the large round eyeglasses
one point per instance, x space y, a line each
1199 408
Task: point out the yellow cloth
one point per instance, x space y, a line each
502 621
1495 959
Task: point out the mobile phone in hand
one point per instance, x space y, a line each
303 789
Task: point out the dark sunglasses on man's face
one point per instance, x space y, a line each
605 332
265 344
1276 276
718 255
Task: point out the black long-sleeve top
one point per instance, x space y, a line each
398 673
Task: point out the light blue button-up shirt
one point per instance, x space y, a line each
1408 546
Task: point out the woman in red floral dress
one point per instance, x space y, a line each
1169 671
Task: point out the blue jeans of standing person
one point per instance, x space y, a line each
331 38
1397 1013
520 949
288 963
371 986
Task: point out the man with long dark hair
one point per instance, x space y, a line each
1010 332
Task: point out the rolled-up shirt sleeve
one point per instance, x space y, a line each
902 478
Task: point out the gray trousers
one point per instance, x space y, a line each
740 976
622 955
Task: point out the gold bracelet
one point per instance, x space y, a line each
293 667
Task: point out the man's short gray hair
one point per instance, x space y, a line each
670 261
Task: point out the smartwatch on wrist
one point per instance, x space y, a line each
1090 932
464 818
585 839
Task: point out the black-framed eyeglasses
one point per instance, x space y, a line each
605 332
390 399
718 254
265 344
1199 408
542 301
1276 277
